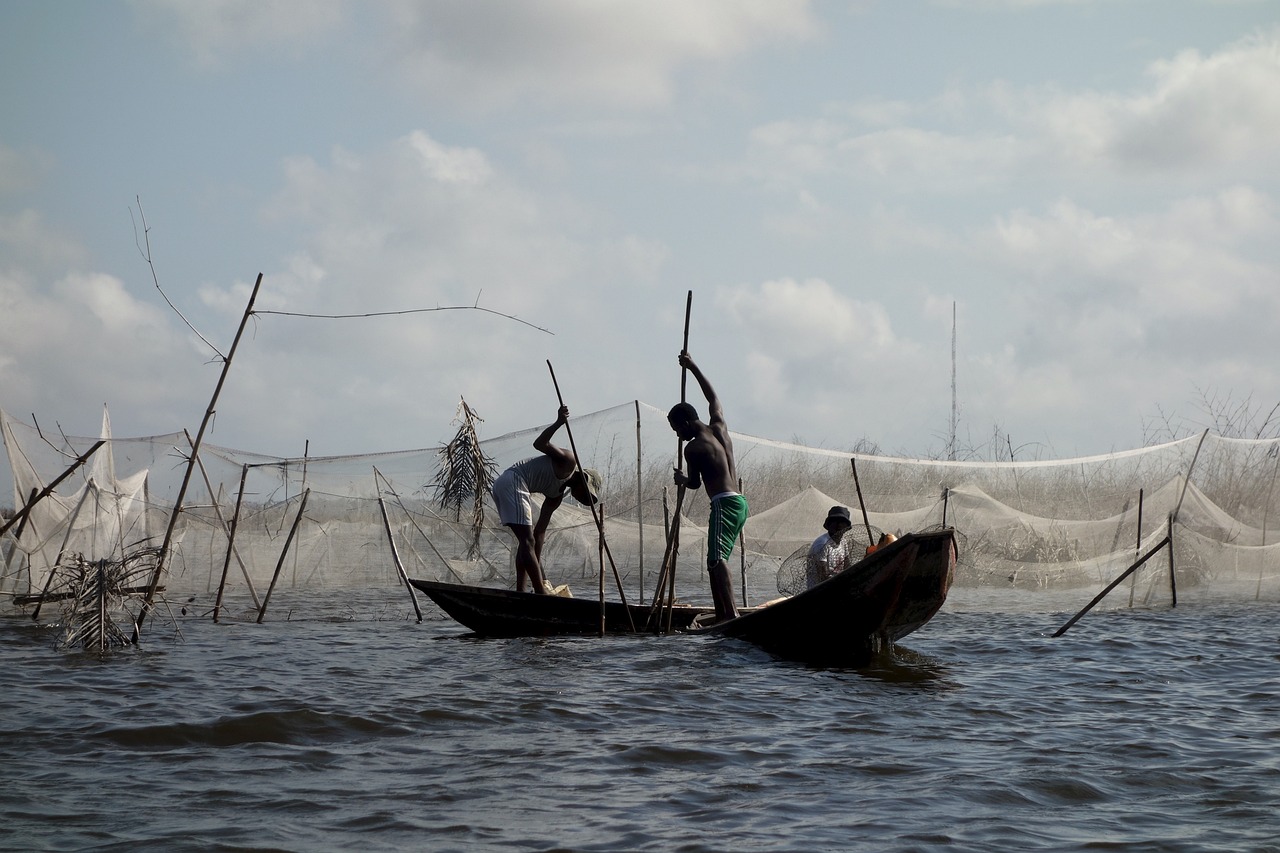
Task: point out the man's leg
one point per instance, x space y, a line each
527 564
722 591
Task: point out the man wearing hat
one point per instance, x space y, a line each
550 475
826 556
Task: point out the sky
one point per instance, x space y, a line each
1083 191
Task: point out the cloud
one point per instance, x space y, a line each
490 53
1200 116
1220 111
217 31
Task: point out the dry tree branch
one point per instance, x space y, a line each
475 307
146 255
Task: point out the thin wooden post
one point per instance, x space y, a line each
395 555
217 511
1137 547
62 549
640 498
231 544
597 514
600 545
191 464
946 494
742 551
1112 586
21 514
1173 582
22 525
284 552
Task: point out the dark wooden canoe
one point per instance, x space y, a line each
507 613
883 597
844 620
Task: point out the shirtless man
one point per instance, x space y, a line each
551 475
709 455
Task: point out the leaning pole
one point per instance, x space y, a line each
191 464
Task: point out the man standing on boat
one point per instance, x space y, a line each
709 456
550 475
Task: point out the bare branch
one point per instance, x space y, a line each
475 307
146 256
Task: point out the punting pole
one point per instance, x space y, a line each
231 544
680 492
598 517
395 555
284 552
191 464
21 515
858 488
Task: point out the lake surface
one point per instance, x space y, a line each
1138 730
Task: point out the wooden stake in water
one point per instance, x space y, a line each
284 552
191 464
395 555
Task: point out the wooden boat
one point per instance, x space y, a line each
506 613
844 620
841 621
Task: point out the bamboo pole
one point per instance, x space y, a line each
20 515
1137 547
284 552
853 461
217 511
742 551
395 555
673 537
946 495
600 545
597 514
1112 585
191 463
8 560
62 549
231 544
1173 581
640 498
378 475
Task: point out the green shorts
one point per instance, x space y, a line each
728 516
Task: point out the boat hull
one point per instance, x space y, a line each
842 621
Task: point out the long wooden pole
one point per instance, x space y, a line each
231 544
596 515
668 576
191 464
395 555
640 499
217 511
858 488
1147 556
21 514
284 552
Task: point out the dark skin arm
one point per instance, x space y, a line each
709 453
563 462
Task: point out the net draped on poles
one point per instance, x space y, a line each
1042 525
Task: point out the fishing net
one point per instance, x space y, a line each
303 533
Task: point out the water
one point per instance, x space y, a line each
1139 730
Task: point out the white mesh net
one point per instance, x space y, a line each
1070 524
